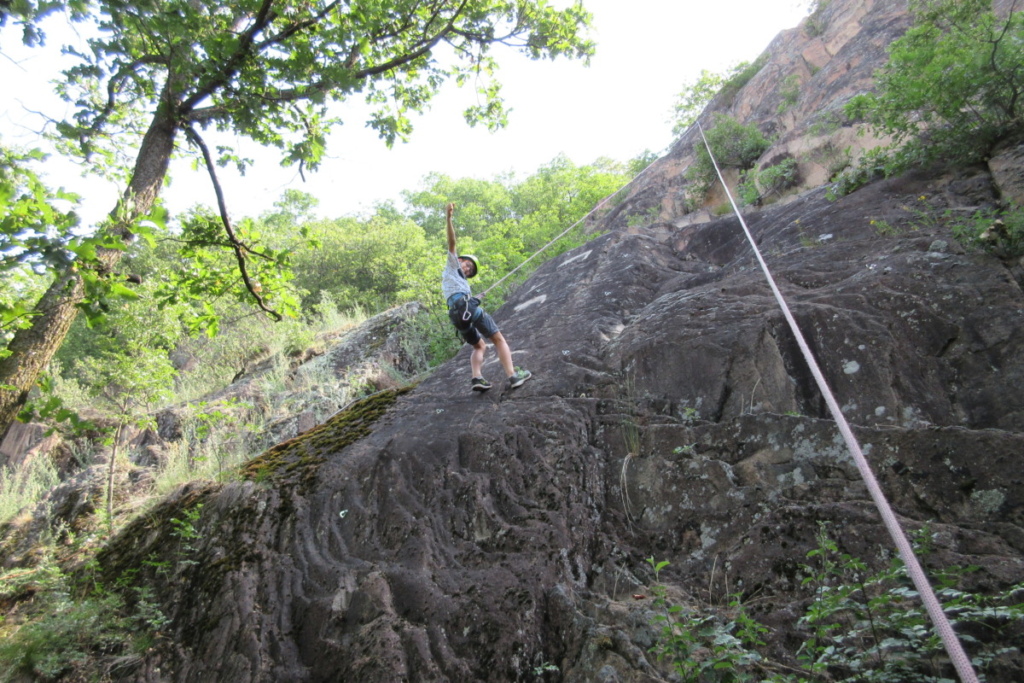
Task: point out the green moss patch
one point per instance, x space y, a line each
298 459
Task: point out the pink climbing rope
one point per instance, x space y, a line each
945 629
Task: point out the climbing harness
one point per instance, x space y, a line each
949 639
463 310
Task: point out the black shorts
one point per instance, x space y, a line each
483 326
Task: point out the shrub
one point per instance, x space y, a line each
860 625
997 232
789 92
696 96
768 182
733 144
816 23
953 87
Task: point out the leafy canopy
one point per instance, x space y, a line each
269 69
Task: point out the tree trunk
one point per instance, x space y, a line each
110 479
32 348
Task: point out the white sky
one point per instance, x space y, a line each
617 108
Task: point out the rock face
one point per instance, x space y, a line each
476 537
437 534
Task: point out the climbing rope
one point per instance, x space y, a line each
949 639
564 232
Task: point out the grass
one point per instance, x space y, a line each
23 486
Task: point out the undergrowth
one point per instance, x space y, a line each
860 625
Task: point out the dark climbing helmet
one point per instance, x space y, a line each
474 260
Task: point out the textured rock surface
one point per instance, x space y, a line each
475 537
443 535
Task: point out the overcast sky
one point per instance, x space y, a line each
617 108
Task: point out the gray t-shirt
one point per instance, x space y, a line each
452 279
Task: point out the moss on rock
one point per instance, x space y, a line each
298 459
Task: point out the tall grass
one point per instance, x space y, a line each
25 486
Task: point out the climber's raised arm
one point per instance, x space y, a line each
448 211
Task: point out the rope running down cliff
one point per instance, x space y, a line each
949 639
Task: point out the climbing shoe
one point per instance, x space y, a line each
480 384
518 378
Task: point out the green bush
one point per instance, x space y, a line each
733 144
872 626
997 232
789 92
702 646
769 182
953 87
860 625
696 96
816 23
740 76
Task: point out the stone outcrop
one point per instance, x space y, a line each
477 537
438 534
465 537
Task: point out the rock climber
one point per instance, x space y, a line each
473 323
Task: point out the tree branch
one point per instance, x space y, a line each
236 245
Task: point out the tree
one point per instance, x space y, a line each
372 263
157 70
34 235
953 87
693 98
721 88
126 382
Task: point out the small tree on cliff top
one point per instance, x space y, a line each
263 69
957 77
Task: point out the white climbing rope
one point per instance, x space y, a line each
949 639
564 232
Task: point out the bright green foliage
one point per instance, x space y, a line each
789 92
733 144
816 23
34 232
740 75
33 229
998 232
716 646
19 287
953 87
505 221
209 268
40 236
639 164
868 626
373 263
860 626
65 624
758 185
696 96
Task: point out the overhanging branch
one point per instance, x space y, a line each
237 246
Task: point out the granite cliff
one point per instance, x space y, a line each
428 533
